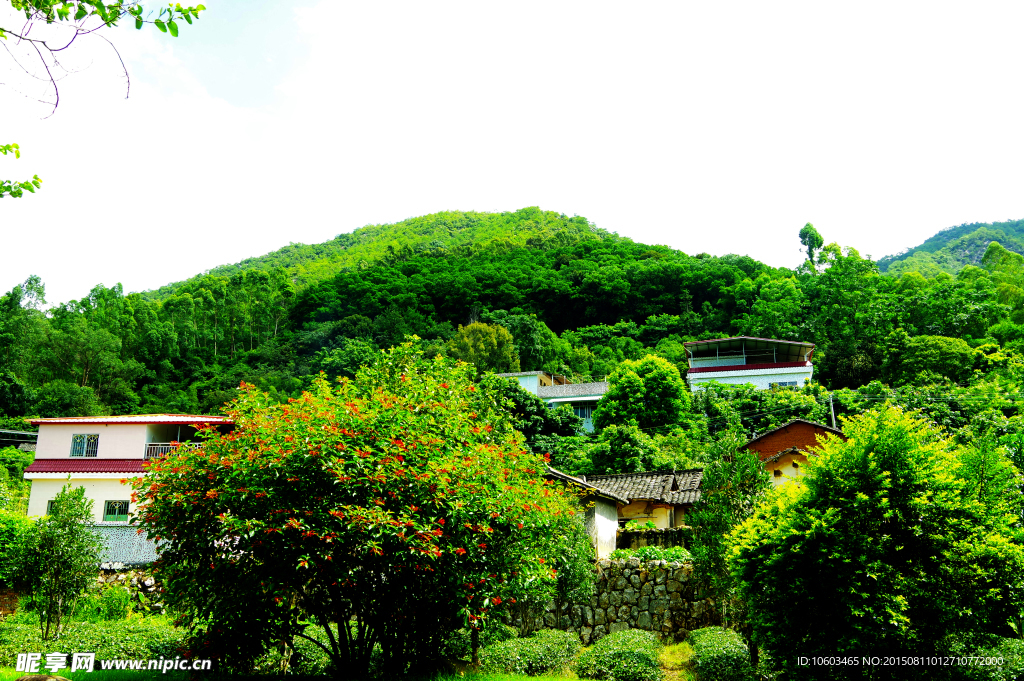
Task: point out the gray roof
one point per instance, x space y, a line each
584 485
573 390
670 487
521 373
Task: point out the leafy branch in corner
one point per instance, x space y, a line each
82 18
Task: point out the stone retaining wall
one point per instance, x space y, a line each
8 601
655 596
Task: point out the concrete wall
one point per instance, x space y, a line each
655 596
117 441
99 490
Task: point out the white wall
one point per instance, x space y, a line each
760 378
117 441
100 490
603 525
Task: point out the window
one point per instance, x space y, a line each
585 410
85 445
49 507
777 473
115 511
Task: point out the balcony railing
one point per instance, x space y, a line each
155 450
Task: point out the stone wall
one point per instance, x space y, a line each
655 596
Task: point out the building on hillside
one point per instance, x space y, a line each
601 514
784 450
557 390
661 497
763 362
96 453
19 439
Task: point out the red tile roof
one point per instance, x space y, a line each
86 465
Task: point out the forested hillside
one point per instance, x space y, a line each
545 291
951 249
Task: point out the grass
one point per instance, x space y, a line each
8 674
676 660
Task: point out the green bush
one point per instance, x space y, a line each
548 650
14 528
460 646
721 655
672 554
150 637
630 655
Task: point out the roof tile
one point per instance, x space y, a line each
86 465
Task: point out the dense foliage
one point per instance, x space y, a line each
897 542
401 501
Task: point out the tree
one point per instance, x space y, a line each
400 504
623 449
59 559
648 392
922 359
489 347
62 398
13 188
812 241
886 546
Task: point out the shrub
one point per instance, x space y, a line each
672 554
630 655
14 528
459 645
721 655
151 637
546 651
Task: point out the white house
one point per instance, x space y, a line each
557 390
762 362
97 452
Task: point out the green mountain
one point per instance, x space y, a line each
449 232
951 249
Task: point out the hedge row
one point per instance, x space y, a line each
630 655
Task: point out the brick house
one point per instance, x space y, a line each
784 450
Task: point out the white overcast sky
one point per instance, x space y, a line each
716 127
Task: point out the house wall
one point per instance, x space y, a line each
117 441
99 490
785 466
800 435
660 514
529 383
602 520
761 379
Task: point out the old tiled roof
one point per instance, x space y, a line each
584 485
86 465
834 431
670 487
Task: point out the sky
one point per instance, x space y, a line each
708 127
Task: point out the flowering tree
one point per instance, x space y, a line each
398 506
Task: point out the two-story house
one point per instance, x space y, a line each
97 453
557 390
763 362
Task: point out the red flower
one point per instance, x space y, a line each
484 546
460 551
496 600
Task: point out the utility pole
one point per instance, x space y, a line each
832 409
